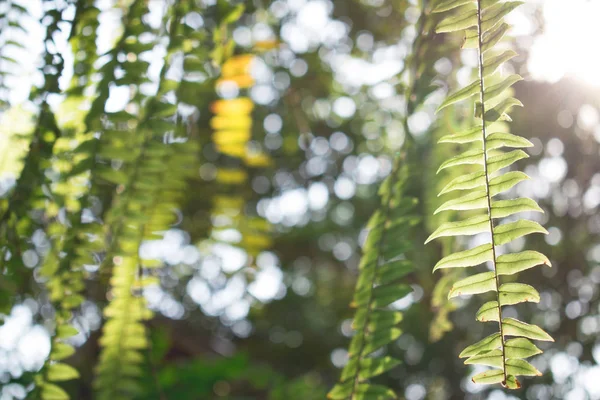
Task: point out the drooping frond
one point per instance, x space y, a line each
17 223
483 26
75 239
385 259
31 192
150 212
144 207
381 269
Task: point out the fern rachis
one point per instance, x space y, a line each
483 22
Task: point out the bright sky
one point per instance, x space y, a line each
569 46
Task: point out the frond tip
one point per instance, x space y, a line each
483 26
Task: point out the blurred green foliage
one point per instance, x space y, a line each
114 205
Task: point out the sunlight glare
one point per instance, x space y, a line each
569 45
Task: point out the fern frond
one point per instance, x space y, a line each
32 188
75 240
150 211
482 22
384 262
155 179
382 267
16 223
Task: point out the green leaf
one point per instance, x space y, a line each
499 111
380 339
521 348
447 5
164 110
504 160
341 391
53 392
465 182
491 63
472 135
493 36
370 367
488 312
476 284
518 367
515 293
471 201
489 343
468 157
509 264
493 15
65 331
466 258
496 376
496 90
350 369
489 377
508 232
234 14
383 319
369 392
506 182
385 295
491 358
471 226
112 175
393 271
463 94
471 39
464 18
72 301
61 372
60 351
514 327
501 139
505 208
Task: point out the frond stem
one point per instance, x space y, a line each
487 184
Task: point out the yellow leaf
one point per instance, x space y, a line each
239 106
231 137
231 176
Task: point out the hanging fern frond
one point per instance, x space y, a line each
77 163
384 262
17 222
151 211
381 269
142 210
63 265
482 22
